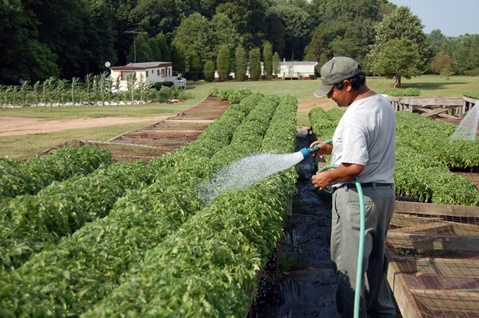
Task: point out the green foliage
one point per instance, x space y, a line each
255 64
276 63
155 233
36 173
297 27
400 47
474 94
223 63
398 58
425 154
401 92
268 60
209 71
240 63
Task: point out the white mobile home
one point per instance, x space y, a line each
148 72
297 69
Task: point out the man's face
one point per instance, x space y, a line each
343 96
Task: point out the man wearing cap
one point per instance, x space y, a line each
363 147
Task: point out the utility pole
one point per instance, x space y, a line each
134 42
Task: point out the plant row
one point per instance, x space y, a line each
68 278
29 223
97 90
210 265
425 153
231 95
31 176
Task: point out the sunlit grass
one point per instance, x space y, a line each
24 146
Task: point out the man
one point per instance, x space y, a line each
363 145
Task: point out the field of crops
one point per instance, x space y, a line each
136 239
425 155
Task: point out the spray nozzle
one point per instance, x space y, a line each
306 152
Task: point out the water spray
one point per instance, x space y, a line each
243 173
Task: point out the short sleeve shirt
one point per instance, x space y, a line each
366 135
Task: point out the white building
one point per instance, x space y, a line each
290 69
296 69
147 72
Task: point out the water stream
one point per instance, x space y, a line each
467 129
245 172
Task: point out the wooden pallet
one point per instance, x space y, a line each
433 254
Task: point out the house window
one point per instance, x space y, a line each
158 72
146 73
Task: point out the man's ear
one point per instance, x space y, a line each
347 85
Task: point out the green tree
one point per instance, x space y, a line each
240 63
466 55
155 49
441 64
436 40
275 31
297 29
209 71
194 66
268 59
140 50
255 63
198 35
401 27
398 58
223 63
161 16
276 64
178 58
248 18
163 46
23 55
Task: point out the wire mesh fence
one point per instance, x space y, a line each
433 253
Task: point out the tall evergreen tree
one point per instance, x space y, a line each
255 63
223 63
240 63
268 59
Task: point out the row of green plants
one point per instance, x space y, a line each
231 95
29 223
31 176
94 90
425 155
106 255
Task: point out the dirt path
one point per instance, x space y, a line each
14 126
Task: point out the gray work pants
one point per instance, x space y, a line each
376 300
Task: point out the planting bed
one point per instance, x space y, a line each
167 135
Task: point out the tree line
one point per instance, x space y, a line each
72 38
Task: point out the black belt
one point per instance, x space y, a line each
364 185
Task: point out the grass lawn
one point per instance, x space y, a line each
24 146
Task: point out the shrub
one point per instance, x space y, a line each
401 92
159 85
209 71
474 95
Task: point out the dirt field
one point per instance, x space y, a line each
14 126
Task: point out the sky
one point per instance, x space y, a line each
452 17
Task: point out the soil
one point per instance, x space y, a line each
14 126
299 279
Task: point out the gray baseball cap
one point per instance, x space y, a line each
334 71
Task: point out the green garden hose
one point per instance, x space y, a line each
359 268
